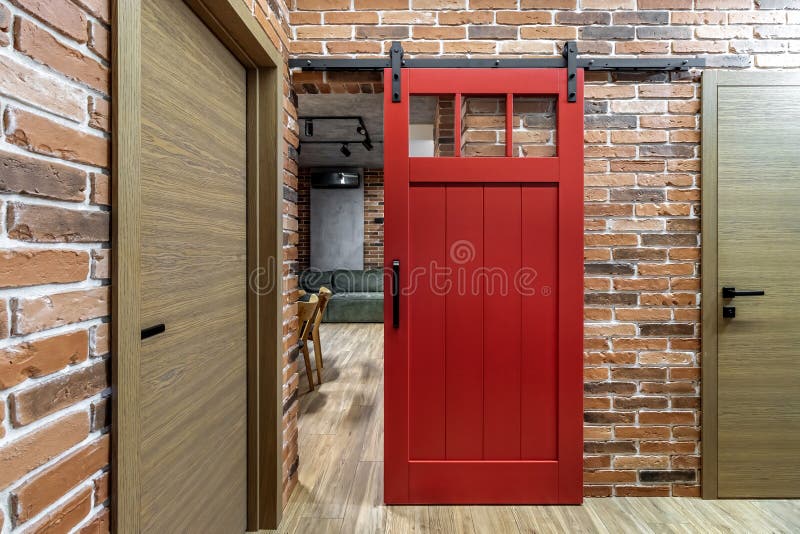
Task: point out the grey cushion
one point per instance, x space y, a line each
351 281
347 308
311 280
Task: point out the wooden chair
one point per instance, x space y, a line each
305 314
324 296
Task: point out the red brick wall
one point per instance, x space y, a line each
54 261
304 219
642 417
373 218
54 272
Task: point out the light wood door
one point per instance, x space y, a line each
758 247
193 376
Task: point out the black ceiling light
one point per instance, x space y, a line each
344 150
309 128
361 130
367 144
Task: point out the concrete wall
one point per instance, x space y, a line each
337 228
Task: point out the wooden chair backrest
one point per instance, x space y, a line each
324 297
305 314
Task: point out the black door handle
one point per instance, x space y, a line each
730 292
153 330
396 293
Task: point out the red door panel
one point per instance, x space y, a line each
502 323
483 378
538 375
464 314
427 326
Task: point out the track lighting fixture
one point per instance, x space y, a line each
367 144
361 130
345 150
309 128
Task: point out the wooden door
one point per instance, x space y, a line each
193 390
753 123
483 341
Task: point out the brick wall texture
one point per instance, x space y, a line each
54 262
373 218
642 226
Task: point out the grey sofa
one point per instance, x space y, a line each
357 295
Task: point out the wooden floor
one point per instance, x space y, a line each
341 472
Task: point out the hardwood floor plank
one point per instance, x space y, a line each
340 477
373 440
493 519
365 512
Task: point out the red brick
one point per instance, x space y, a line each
661 418
49 224
438 4
664 4
520 18
40 89
464 17
35 177
47 397
350 17
608 476
641 432
33 314
37 43
45 488
439 32
548 4
641 491
641 462
61 15
100 193
379 5
64 518
322 5
100 9
36 448
685 490
41 135
548 32
722 4
37 266
101 264
597 491
100 113
101 524
41 357
102 487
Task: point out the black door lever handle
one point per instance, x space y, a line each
396 294
153 330
730 292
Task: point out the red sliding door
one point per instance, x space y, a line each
483 340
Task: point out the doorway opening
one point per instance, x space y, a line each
458 150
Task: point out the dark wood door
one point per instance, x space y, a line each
192 414
483 332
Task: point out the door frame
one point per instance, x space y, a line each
237 28
710 303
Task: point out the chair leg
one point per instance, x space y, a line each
307 359
317 353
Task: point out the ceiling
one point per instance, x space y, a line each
369 107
